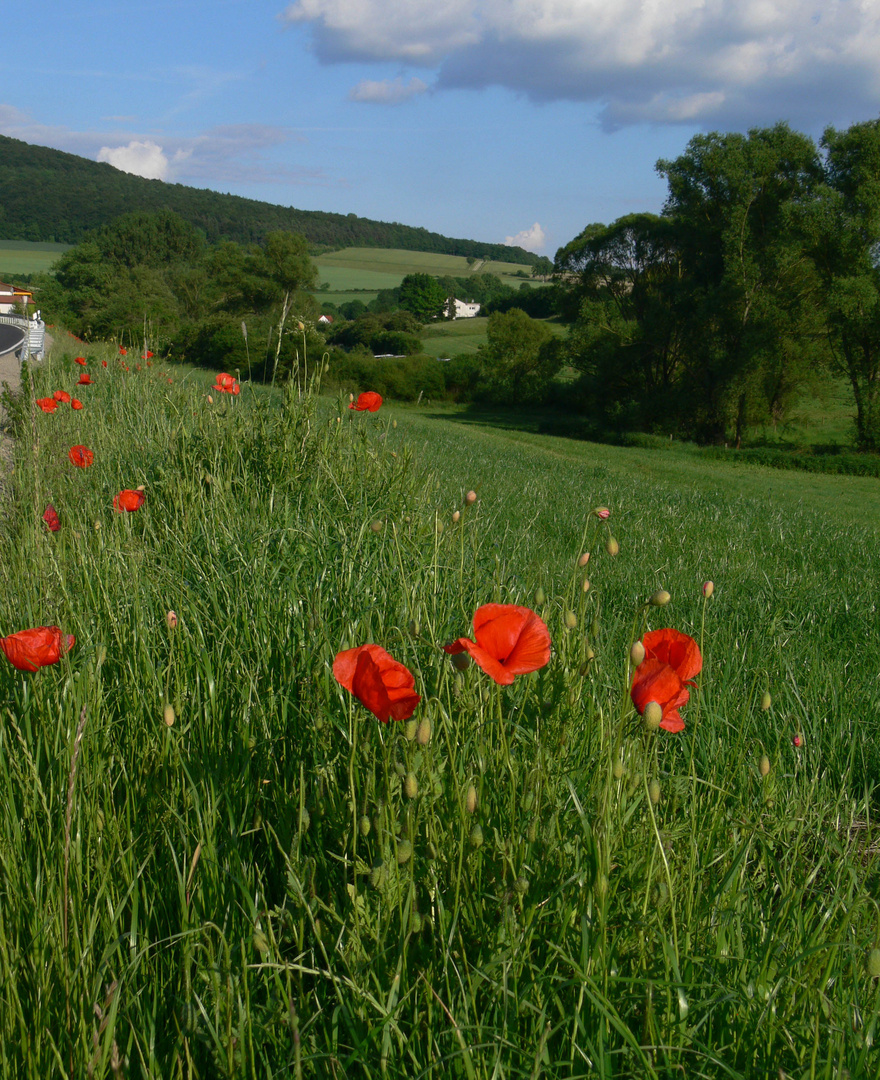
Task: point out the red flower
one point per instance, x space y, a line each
80 360
672 659
29 650
378 681
103 363
511 641
368 401
223 380
122 351
51 518
148 355
75 403
61 395
128 500
47 404
84 380
81 456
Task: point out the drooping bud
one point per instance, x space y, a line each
521 885
414 627
364 825
376 526
423 735
708 588
660 598
532 831
586 585
470 498
476 837
461 661
411 785
764 765
171 620
168 715
652 715
409 729
766 700
570 620
797 741
540 597
654 790
601 512
470 800
377 873
637 653
872 964
404 852
584 559
456 515
618 769
612 546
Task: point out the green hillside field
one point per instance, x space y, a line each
22 257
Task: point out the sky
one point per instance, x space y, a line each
503 121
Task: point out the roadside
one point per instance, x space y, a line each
10 373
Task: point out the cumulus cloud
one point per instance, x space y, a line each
680 61
387 92
531 239
141 158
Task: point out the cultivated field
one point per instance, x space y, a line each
21 257
218 861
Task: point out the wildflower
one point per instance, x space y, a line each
378 681
29 650
672 659
62 396
602 512
368 401
103 363
81 456
50 516
81 360
511 641
797 742
84 380
148 355
677 650
123 351
75 403
708 588
128 500
171 620
47 404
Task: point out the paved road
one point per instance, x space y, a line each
10 338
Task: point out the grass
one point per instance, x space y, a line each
381 268
22 257
525 882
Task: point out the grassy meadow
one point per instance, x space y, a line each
23 257
216 862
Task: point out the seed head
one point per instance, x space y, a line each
660 598
652 715
708 588
612 546
637 653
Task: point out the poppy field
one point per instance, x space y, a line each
343 741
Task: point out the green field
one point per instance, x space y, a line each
21 257
216 861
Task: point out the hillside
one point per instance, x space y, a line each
50 196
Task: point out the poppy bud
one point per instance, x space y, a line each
168 715
660 598
872 964
708 588
540 597
461 661
423 735
404 852
612 546
305 819
764 765
594 626
377 874
440 527
376 526
766 700
456 514
637 653
470 498
470 800
532 831
364 825
411 785
797 741
570 620
414 628
210 400
476 837
393 422
586 585
617 769
654 791
409 729
601 512
171 620
584 559
652 715
521 885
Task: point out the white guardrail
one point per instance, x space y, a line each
34 335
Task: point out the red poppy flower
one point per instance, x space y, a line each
29 650
122 351
75 403
84 380
128 500
511 641
148 355
368 401
51 518
672 659
81 456
103 363
61 395
223 381
47 404
80 360
378 681
677 650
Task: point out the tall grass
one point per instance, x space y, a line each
263 880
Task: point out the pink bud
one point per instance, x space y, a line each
796 741
708 588
171 620
602 512
471 497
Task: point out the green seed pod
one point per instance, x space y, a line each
404 852
766 700
461 661
660 598
612 546
409 729
168 715
528 801
654 791
764 765
376 526
377 874
540 597
521 885
652 715
364 826
476 837
636 653
872 963
411 785
470 800
423 735
618 770
570 620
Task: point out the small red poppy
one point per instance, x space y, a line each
75 403
148 355
378 681
29 650
47 404
672 659
61 395
511 641
80 360
103 363
128 500
368 401
123 351
50 516
81 456
84 380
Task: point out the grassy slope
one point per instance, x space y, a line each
21 257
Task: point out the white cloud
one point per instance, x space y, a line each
531 239
387 92
141 158
675 61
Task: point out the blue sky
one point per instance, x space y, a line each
485 119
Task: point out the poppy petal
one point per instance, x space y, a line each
29 650
379 682
678 650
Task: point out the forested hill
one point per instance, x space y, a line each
48 195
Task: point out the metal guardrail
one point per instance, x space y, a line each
34 335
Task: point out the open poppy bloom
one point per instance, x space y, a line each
128 500
123 351
368 401
103 363
80 360
511 641
29 650
672 659
50 516
47 404
61 395
81 456
75 403
378 681
84 380
226 384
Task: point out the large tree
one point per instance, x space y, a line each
422 295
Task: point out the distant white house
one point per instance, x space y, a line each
462 310
10 296
325 320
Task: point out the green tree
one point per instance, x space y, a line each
422 295
520 357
